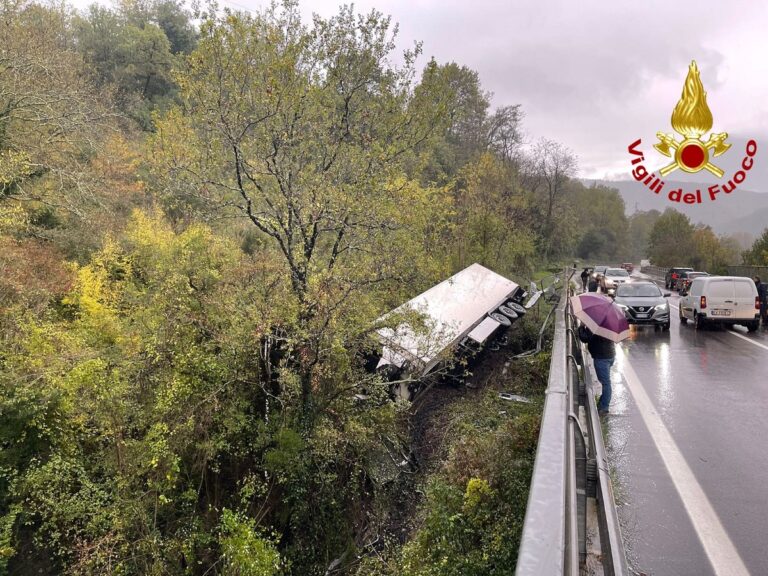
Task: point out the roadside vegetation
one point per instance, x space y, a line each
475 453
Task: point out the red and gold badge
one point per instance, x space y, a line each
692 118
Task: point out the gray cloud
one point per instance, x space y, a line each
586 73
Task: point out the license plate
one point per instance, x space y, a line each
721 312
642 315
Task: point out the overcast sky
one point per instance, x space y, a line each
594 75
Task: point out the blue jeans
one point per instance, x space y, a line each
603 369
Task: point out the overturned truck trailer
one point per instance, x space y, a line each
458 316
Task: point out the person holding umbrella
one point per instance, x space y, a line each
603 352
603 324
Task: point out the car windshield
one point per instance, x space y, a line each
616 272
638 291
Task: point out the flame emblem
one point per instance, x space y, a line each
692 118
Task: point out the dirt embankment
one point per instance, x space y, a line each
433 417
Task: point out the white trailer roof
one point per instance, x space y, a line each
450 310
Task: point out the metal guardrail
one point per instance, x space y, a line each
656 271
546 546
570 469
749 271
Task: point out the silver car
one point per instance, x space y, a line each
599 271
643 303
613 277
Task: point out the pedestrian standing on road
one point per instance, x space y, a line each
584 278
603 352
594 282
762 298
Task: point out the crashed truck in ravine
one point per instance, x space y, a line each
453 320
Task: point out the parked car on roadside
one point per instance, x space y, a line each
613 277
721 300
643 303
670 279
628 266
685 279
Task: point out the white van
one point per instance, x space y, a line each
721 300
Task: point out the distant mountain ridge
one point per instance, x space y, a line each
743 210
740 211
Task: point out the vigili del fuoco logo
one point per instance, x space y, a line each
692 119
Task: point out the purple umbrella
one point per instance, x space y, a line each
601 316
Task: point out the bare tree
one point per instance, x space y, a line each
503 129
51 119
550 167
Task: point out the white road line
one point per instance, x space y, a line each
747 339
720 550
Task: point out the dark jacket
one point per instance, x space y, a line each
762 290
598 346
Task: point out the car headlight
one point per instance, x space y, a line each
664 306
622 306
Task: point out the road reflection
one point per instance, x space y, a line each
666 390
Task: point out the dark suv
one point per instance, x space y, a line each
685 279
643 303
670 280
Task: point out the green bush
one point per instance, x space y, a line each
474 507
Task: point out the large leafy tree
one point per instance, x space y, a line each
472 128
758 253
126 407
640 226
602 224
133 50
710 252
671 241
492 224
303 132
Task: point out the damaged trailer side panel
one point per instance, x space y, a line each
449 312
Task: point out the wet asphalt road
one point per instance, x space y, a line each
692 496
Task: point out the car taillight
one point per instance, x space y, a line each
703 302
757 302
